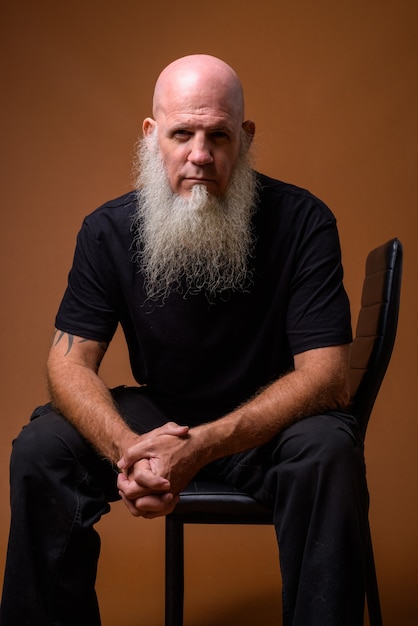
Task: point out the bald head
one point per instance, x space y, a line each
200 75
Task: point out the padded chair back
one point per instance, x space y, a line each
376 327
210 502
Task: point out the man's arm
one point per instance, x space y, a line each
319 383
78 393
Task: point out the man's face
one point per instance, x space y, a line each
199 138
198 149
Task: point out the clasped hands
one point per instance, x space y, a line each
154 470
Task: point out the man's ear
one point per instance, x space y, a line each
249 128
148 126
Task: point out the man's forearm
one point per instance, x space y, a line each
81 396
303 392
88 405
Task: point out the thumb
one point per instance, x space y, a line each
171 428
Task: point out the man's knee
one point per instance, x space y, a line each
50 456
325 438
319 459
43 443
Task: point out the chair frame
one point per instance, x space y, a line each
209 502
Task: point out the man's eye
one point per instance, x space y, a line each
219 134
181 134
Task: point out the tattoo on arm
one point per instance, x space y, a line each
59 334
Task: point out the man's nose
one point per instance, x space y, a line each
200 152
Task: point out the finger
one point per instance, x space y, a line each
142 448
150 506
129 488
171 428
142 479
130 505
165 510
132 490
145 476
153 503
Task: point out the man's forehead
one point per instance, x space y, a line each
205 118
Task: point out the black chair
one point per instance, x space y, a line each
215 503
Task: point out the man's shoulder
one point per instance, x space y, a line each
273 185
277 193
115 215
119 207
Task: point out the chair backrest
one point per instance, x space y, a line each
376 327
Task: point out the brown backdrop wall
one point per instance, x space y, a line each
332 86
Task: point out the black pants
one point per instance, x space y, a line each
312 475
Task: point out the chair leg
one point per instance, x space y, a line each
372 590
174 571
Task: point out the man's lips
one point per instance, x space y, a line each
198 179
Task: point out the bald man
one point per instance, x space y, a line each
228 287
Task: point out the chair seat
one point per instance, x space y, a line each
204 498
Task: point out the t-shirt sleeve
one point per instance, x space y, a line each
318 313
88 308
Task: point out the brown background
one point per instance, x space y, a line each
332 86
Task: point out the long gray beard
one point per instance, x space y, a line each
195 243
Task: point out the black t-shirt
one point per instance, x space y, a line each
202 357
